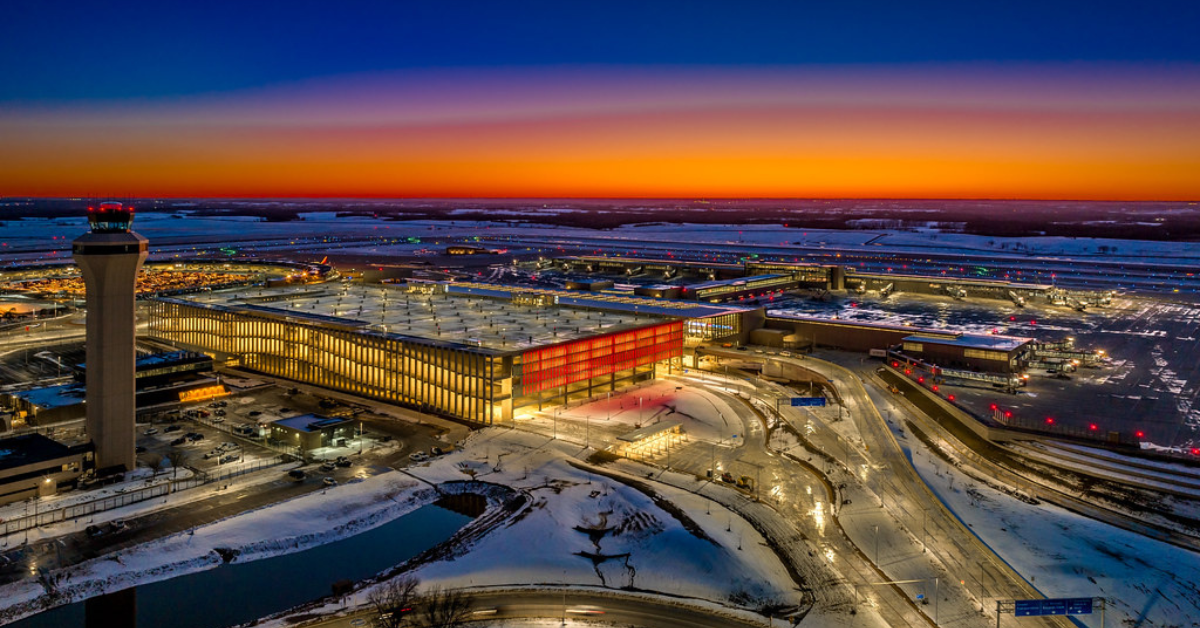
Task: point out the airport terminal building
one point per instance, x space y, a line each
469 351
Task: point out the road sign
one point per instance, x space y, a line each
1079 606
1055 606
808 401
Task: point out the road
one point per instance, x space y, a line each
574 605
966 567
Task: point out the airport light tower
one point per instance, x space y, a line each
109 257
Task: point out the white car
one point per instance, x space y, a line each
418 456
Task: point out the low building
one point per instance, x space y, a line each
652 439
977 352
312 431
46 405
463 249
33 465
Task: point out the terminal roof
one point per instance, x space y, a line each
975 341
19 451
310 422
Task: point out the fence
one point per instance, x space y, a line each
133 496
125 498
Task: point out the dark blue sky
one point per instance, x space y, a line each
62 51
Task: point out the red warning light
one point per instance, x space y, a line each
1007 414
1140 434
935 388
1049 421
921 380
950 397
1093 427
895 364
994 407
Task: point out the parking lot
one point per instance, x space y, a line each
234 431
1149 384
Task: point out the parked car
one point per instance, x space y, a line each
171 428
179 441
342 461
94 531
151 432
328 481
327 466
228 458
255 413
195 436
418 456
297 474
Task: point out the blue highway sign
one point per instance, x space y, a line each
1056 606
808 401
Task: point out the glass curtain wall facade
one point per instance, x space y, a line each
582 368
439 377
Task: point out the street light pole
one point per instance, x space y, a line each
924 535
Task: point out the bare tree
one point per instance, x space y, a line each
155 463
176 458
444 608
393 601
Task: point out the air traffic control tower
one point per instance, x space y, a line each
109 257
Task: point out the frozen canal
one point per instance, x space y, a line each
241 592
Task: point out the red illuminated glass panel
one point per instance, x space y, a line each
581 360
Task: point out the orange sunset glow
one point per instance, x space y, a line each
922 134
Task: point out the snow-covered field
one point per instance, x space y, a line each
637 543
1147 583
294 525
23 234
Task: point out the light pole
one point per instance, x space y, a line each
360 438
924 536
876 546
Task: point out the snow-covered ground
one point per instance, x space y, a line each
1147 583
24 234
647 547
295 525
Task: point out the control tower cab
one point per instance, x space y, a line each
110 217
